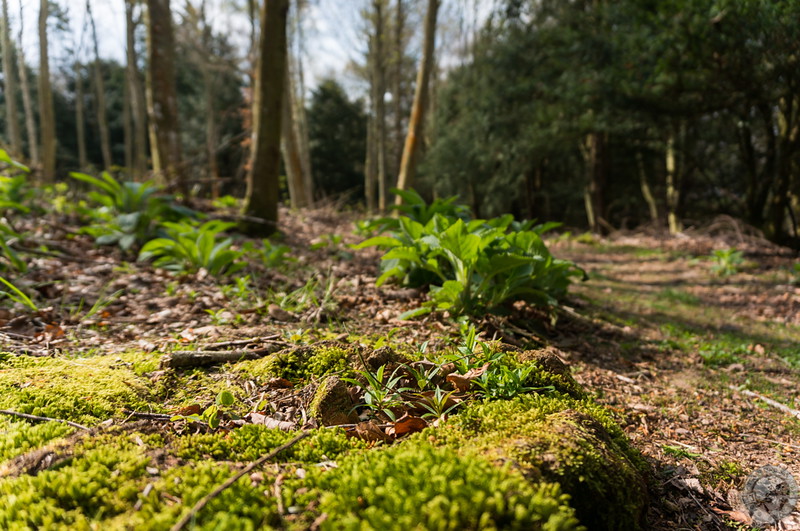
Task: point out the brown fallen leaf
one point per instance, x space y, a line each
462 381
405 425
738 516
369 431
269 422
279 314
193 409
279 383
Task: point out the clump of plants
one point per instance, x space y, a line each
726 262
472 266
130 213
189 247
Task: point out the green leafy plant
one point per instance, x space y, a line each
12 260
726 261
438 403
131 212
380 396
213 414
473 266
503 382
16 295
189 247
270 254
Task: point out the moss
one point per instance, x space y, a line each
250 442
16 438
302 363
560 439
102 480
332 404
418 486
83 390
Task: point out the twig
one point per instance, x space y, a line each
44 419
774 403
145 415
214 493
180 359
240 342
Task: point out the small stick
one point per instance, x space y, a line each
45 419
145 415
246 470
774 403
241 342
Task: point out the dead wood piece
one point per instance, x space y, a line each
180 524
183 359
148 416
774 403
242 342
42 419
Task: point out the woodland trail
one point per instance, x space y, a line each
689 358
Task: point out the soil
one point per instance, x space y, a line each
683 356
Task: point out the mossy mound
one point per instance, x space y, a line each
560 439
83 390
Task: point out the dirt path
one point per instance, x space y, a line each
678 351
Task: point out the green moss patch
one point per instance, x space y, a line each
560 439
84 390
16 438
302 363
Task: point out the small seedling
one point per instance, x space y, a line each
727 262
213 414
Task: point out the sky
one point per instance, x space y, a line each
333 31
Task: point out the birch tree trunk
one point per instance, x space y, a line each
262 180
408 164
46 110
136 92
100 95
162 100
27 103
12 119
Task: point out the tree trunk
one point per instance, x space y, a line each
370 167
127 128
596 161
673 186
162 101
647 192
46 110
379 89
291 149
408 165
262 180
137 99
100 90
80 118
397 84
12 119
27 103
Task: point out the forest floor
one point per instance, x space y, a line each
686 358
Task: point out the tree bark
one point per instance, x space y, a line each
673 185
262 180
80 118
46 110
162 100
12 119
100 95
596 161
416 123
379 90
291 149
647 192
27 103
137 99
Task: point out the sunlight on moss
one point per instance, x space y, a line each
16 438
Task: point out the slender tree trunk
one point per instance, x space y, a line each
262 181
80 118
12 119
300 118
137 98
647 192
127 127
291 149
596 161
370 167
46 110
162 100
397 84
100 96
27 103
408 165
673 185
379 88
